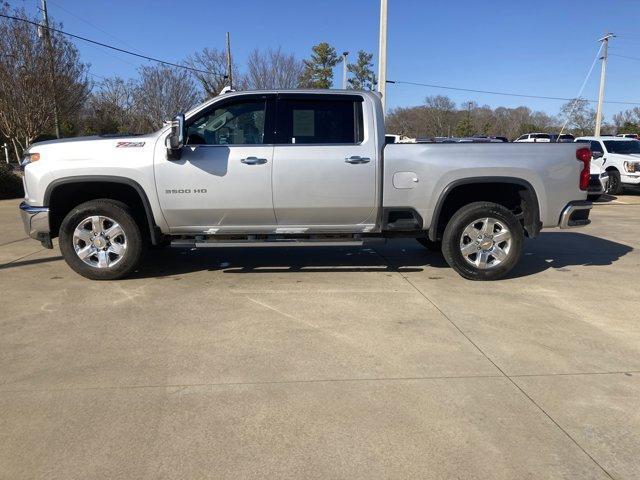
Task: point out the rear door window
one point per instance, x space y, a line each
320 121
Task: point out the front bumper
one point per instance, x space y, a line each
575 214
36 223
630 178
598 183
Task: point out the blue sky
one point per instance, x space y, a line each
540 48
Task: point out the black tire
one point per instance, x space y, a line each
430 244
453 234
121 214
615 183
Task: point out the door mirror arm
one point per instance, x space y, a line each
175 140
596 155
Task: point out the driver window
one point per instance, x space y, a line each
240 123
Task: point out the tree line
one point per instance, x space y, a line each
439 116
32 81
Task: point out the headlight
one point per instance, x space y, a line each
631 167
28 158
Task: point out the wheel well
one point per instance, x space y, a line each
612 169
64 197
520 199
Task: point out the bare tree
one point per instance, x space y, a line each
273 69
214 61
440 115
112 108
582 118
163 92
27 88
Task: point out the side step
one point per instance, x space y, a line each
274 241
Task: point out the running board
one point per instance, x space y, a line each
208 242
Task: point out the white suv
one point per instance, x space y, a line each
534 137
620 158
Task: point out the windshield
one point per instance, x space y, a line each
623 147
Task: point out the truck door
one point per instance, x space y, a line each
325 162
223 179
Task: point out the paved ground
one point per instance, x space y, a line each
325 363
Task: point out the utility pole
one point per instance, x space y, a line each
47 38
345 55
229 74
603 73
382 53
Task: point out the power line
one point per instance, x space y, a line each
91 24
505 94
85 39
624 56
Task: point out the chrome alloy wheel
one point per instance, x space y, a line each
99 241
485 243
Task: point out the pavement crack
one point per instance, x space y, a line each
503 373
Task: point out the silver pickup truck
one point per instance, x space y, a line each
292 168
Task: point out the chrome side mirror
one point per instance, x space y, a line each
595 155
175 140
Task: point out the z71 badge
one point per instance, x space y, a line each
129 144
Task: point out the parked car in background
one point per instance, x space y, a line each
628 135
598 182
619 157
534 137
564 138
393 138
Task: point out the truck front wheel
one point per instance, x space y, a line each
101 240
615 183
483 241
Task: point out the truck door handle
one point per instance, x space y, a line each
253 160
357 159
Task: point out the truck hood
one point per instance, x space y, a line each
630 157
113 148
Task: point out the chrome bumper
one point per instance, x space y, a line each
575 214
598 184
36 222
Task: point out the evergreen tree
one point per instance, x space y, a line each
362 76
318 70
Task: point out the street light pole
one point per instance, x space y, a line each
47 38
382 53
603 73
345 55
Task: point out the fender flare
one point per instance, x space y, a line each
532 225
154 231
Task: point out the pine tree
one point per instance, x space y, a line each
362 77
318 70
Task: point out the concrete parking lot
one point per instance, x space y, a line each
325 362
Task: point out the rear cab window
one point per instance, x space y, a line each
326 119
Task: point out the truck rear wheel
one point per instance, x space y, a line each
101 240
483 241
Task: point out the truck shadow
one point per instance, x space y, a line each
557 250
562 250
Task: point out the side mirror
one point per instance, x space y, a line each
595 155
175 140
